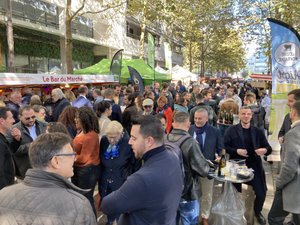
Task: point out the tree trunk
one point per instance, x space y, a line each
68 39
143 30
190 56
10 38
202 71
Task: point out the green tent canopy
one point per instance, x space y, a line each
144 69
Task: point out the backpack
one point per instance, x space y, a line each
175 147
258 116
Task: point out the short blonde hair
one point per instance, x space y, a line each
114 127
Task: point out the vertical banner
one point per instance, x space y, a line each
151 51
168 56
285 72
136 78
285 57
116 65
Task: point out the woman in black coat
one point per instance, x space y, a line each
117 161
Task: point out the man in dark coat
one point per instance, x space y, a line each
47 196
60 103
30 128
116 109
152 194
244 141
7 169
14 103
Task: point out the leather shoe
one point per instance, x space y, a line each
204 221
260 219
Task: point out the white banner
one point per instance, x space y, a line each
26 79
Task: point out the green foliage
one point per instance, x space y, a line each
2 68
81 52
37 49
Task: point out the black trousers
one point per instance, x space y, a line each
86 177
277 214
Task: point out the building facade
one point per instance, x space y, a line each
39 31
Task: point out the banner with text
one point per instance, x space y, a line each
285 57
8 79
285 73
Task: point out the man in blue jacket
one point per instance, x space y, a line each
152 194
82 100
211 143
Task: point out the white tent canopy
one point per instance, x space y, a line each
161 70
180 73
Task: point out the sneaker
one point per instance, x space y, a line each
261 219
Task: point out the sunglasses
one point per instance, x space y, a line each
28 118
147 106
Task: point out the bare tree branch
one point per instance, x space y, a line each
106 7
78 10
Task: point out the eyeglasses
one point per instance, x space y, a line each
147 106
66 154
28 118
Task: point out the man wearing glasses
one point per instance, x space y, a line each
148 105
30 128
47 196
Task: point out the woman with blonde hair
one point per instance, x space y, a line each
70 96
117 161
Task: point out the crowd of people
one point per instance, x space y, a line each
59 149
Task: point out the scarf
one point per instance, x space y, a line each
112 151
199 131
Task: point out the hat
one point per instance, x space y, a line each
147 101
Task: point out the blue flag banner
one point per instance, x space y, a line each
116 64
285 73
136 78
285 57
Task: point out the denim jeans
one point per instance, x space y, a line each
86 177
188 212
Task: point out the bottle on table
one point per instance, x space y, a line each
231 117
221 117
222 164
226 118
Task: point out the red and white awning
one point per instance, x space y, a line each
267 77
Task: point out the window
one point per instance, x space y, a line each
133 31
36 11
82 26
